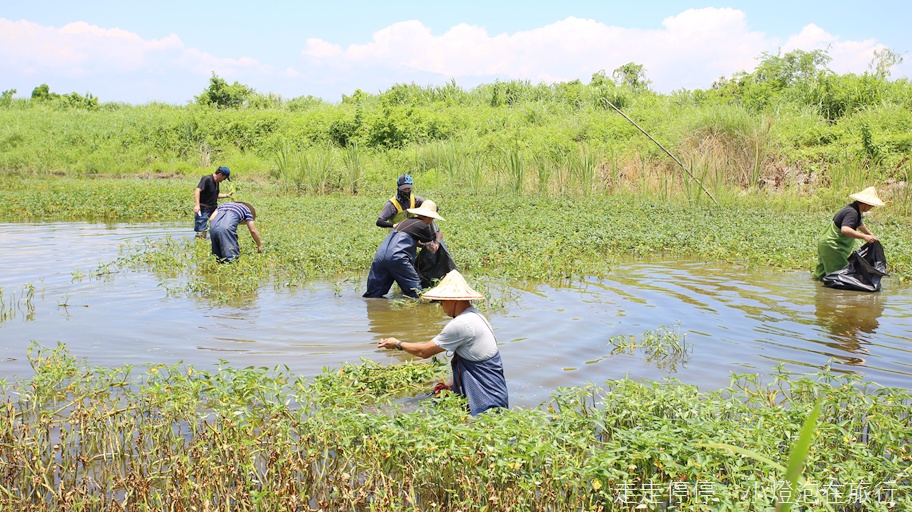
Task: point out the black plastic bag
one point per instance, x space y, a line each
866 267
433 266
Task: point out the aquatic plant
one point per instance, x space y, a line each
368 437
18 304
664 347
333 237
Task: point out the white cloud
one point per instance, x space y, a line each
76 47
811 37
691 50
321 49
80 48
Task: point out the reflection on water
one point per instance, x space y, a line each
851 319
734 320
403 319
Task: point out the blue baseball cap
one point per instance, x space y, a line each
224 170
405 179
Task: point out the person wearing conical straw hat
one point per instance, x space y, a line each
837 241
395 259
477 367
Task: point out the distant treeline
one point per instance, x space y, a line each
791 123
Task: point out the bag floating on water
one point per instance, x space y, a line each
866 267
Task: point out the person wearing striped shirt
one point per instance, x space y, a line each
223 225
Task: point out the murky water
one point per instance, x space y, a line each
733 319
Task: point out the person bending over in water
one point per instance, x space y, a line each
223 225
837 241
477 367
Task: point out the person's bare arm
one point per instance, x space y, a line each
255 234
422 350
196 197
862 233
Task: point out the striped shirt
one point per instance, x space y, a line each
237 210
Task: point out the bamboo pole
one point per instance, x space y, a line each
663 149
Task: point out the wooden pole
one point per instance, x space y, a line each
662 148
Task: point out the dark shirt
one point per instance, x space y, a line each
417 229
389 211
849 216
209 192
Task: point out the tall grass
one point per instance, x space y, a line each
514 170
581 167
731 145
317 170
354 160
560 138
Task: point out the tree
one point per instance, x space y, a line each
798 76
43 92
796 67
222 95
883 60
632 75
6 99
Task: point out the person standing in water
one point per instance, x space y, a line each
206 195
396 256
837 241
396 209
224 221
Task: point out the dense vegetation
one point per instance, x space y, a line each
770 154
791 123
178 438
491 236
536 182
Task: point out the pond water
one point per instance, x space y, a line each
732 319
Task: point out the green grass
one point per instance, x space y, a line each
514 137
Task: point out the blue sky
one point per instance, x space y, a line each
167 50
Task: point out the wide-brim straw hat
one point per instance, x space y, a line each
427 209
452 287
867 196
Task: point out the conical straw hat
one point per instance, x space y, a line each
452 287
428 209
867 196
